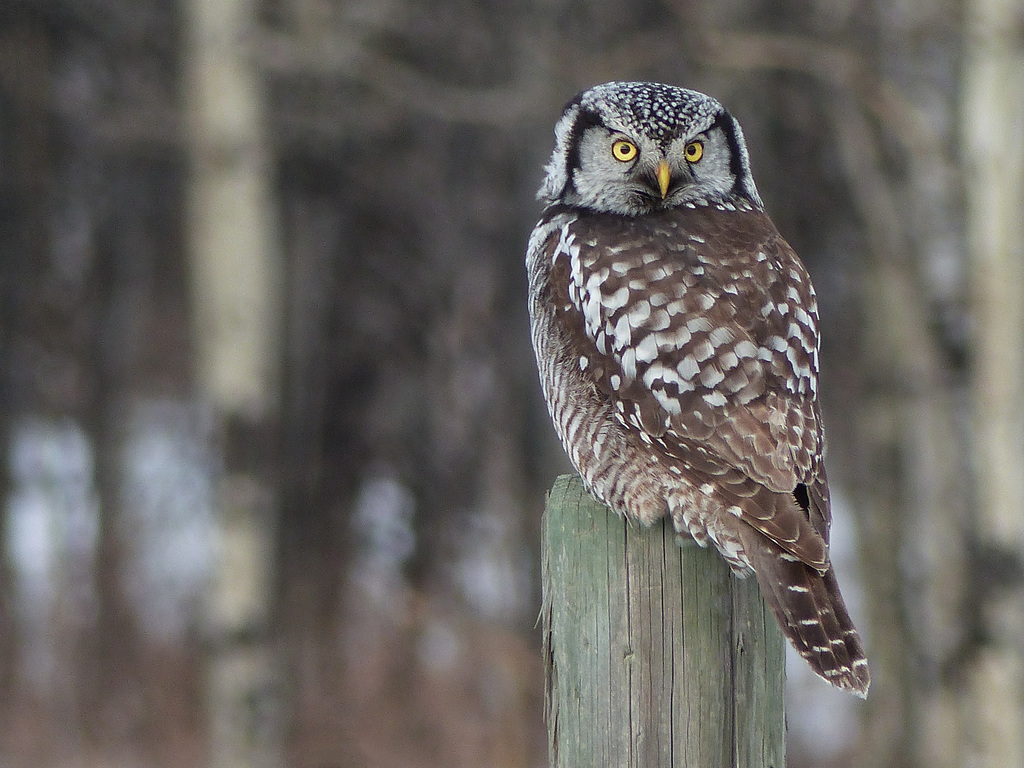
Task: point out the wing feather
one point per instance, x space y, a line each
708 340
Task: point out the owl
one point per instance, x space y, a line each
676 336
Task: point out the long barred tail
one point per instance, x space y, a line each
812 614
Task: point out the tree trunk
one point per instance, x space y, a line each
236 277
993 130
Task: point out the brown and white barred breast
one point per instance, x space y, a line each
678 358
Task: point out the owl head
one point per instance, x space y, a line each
635 148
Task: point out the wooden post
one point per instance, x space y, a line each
657 655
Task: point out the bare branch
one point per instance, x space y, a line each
399 83
841 67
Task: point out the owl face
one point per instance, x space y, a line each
634 148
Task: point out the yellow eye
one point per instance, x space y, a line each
624 150
694 151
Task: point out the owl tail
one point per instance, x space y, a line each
812 614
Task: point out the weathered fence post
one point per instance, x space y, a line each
657 655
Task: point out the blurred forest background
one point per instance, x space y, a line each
274 452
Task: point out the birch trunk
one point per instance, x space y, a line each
993 131
235 265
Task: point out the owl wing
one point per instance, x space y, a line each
702 329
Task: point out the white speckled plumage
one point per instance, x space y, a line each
676 337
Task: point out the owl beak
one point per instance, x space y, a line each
664 177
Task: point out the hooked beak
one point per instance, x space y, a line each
664 177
